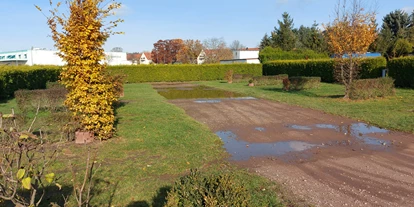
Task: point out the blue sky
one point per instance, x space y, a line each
148 21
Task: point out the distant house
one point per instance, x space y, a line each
245 55
146 58
134 58
201 57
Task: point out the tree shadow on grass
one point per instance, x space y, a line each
117 106
304 93
157 201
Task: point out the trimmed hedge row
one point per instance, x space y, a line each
402 70
171 73
371 88
301 83
271 54
269 80
320 68
324 68
13 78
238 78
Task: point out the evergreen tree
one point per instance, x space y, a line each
284 37
265 42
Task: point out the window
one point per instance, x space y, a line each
25 56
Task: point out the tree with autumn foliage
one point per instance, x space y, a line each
79 36
349 36
190 51
166 51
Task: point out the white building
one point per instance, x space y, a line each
146 58
38 56
247 55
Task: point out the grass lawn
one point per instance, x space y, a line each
392 112
155 143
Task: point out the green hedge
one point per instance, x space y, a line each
13 78
301 83
239 78
324 68
320 68
269 80
371 88
171 73
271 54
402 70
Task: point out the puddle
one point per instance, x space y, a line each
195 92
299 127
360 131
241 150
260 129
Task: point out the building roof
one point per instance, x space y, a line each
133 56
249 49
148 55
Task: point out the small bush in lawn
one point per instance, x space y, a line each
371 88
238 78
229 76
46 99
303 83
269 80
197 189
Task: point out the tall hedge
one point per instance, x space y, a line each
320 68
170 73
272 54
324 68
402 70
13 78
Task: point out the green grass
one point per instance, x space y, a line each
155 144
395 112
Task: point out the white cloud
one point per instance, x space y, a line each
408 9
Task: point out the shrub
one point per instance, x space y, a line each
271 54
13 78
171 73
371 88
303 83
45 99
319 68
198 189
229 76
238 78
402 70
269 80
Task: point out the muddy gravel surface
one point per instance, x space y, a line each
323 159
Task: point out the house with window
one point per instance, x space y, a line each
145 58
245 55
134 58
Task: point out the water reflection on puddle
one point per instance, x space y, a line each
361 131
242 150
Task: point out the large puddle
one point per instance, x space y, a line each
197 92
242 150
359 131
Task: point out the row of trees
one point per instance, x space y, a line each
187 51
395 39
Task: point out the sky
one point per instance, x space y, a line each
146 22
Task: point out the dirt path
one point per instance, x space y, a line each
324 159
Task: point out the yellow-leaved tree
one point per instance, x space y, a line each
79 36
349 36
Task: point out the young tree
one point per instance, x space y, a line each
190 51
216 50
165 51
79 36
349 36
284 37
